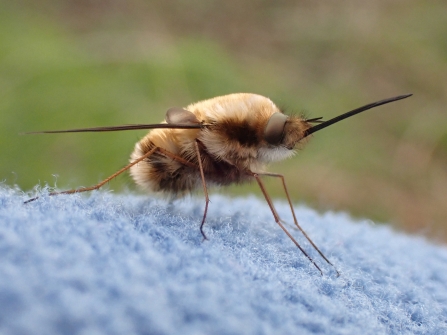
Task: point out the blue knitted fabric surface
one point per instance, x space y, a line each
129 264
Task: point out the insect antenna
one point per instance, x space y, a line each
315 120
352 113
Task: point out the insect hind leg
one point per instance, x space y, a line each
146 155
105 181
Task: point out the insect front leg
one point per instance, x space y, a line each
277 175
278 219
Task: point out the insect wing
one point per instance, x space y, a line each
178 115
123 127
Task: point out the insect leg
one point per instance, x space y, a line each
294 216
95 187
207 199
175 157
278 219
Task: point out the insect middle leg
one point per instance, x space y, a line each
205 190
202 176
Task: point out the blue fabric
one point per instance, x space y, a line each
127 264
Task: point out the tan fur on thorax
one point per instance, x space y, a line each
232 112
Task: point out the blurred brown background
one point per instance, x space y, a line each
67 64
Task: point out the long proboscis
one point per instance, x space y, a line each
354 112
123 127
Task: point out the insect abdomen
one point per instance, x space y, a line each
159 173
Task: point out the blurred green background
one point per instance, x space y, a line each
84 63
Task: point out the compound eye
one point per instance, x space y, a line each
274 130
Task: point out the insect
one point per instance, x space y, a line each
221 141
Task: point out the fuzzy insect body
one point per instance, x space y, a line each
231 145
220 141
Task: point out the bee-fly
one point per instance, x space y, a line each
220 141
